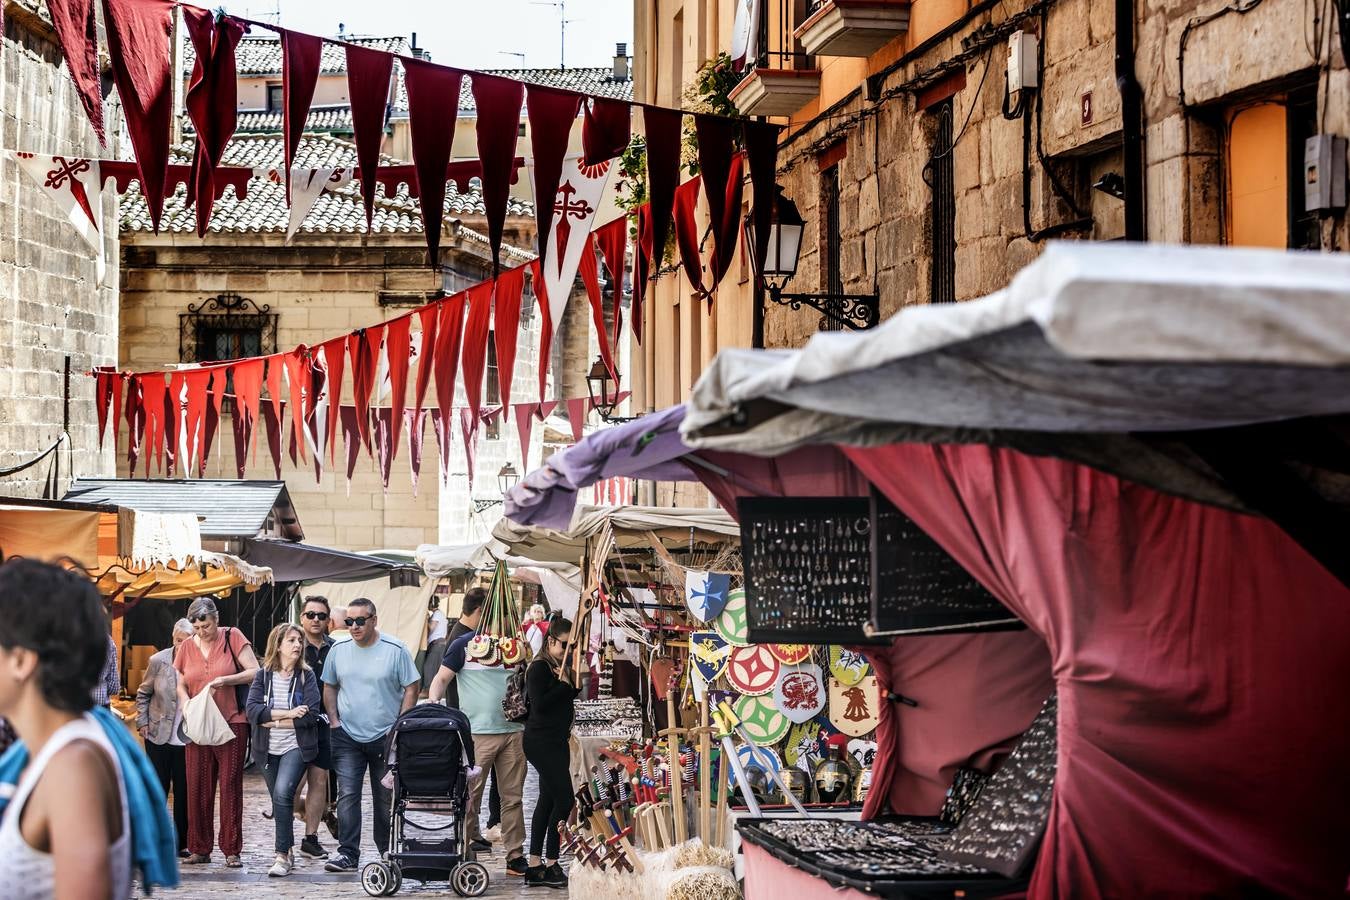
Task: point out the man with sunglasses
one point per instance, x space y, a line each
368 682
319 783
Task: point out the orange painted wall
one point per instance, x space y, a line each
1258 174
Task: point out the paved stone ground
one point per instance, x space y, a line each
309 881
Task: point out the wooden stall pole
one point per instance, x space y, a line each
704 770
672 736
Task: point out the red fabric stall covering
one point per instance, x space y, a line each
976 693
1201 658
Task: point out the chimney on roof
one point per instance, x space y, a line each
621 62
418 52
342 31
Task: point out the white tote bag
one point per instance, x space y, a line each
203 723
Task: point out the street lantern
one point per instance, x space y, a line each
785 240
856 311
507 477
604 393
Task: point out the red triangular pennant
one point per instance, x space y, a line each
473 355
686 234
720 167
384 435
612 239
761 148
551 113
153 392
334 359
546 409
606 131
498 103
247 376
135 421
351 440
428 316
140 51
272 425
364 347
397 349
212 98
440 426
449 332
212 418
663 170
433 131
506 326
368 74
104 379
590 276
642 264
77 33
576 416
298 376
119 382
416 422
300 58
198 382
468 428
545 328
275 366
525 413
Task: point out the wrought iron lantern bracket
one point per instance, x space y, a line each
856 311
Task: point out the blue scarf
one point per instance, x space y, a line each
154 843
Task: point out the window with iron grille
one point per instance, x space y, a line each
942 182
832 274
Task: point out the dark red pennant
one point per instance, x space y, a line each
119 382
212 98
428 316
686 234
663 171
274 369
590 276
761 148
364 346
506 326
606 130
272 425
173 420
135 422
473 355
398 346
576 416
368 74
300 57
546 409
551 113
642 261
417 428
468 428
384 437
431 88
351 440
247 376
77 33
498 103
298 374
153 392
104 381
140 50
334 358
198 381
612 239
212 421
716 156
440 426
545 327
525 413
449 332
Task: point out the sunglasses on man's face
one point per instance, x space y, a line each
358 622
321 616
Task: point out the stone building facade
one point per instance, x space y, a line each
944 184
52 307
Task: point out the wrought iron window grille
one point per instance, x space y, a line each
226 326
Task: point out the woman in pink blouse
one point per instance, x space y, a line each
215 659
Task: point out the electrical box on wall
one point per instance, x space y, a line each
1022 72
1323 172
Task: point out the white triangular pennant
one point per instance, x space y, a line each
76 184
306 186
580 190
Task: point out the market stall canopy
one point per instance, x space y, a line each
230 510
212 574
51 530
630 525
305 562
561 581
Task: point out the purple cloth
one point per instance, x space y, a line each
647 448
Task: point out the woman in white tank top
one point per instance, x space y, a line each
65 833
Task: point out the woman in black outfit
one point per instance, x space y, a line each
547 731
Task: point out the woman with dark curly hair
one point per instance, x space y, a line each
66 832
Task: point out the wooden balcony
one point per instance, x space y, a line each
775 92
853 27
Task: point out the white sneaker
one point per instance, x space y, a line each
282 867
493 834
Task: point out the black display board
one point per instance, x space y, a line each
807 563
918 587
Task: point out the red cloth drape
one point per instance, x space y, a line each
606 129
211 101
1200 658
432 132
498 102
368 74
77 32
140 53
301 55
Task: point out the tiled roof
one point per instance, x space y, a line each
261 54
230 509
326 118
264 208
598 81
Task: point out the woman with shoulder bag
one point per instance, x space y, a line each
283 709
552 705
219 660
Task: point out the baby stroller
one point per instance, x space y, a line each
430 754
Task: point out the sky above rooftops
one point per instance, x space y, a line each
466 33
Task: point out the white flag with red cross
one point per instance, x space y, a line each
77 187
580 190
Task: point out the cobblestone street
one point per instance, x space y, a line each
309 880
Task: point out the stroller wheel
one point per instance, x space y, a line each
469 879
395 879
377 880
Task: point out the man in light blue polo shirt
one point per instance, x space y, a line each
497 742
367 682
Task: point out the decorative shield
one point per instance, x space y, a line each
705 593
799 693
752 670
764 725
734 621
662 669
805 744
763 757
865 752
791 654
848 666
709 654
855 708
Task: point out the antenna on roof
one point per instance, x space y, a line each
514 53
562 27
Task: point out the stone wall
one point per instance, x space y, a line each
51 306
